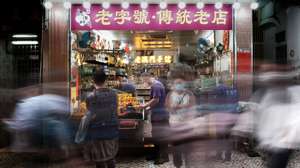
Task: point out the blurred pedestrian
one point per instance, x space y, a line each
179 103
40 121
277 117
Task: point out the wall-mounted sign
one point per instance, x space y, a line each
152 18
160 59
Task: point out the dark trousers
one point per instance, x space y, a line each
177 157
279 159
161 146
106 164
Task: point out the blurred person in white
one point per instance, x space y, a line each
40 119
180 103
277 117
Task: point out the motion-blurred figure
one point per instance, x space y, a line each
180 103
40 121
278 120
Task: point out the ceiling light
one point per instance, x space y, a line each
86 5
125 5
25 42
236 5
144 5
67 5
254 5
106 5
24 36
48 5
218 5
163 5
200 5
181 5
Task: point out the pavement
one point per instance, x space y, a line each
238 161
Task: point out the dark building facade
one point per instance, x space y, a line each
20 62
276 32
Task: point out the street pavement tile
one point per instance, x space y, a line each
238 161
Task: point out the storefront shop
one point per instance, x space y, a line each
129 40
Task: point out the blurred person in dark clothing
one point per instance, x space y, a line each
159 117
98 130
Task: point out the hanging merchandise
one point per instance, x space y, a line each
97 43
205 52
226 40
116 44
84 39
101 58
127 49
220 49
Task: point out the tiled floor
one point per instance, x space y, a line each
238 161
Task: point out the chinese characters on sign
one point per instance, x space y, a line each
167 59
103 17
154 18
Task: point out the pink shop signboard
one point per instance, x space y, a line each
152 18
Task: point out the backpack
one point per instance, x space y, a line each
103 104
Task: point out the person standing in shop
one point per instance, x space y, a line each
124 85
159 117
98 130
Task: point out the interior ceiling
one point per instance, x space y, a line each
185 40
178 37
155 1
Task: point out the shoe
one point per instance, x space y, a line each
253 154
160 161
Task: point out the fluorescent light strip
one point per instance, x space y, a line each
25 42
24 36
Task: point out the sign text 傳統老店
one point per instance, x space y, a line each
152 18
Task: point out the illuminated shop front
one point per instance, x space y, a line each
130 39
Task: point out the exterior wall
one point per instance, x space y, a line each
269 43
244 48
269 37
55 45
6 68
7 98
293 36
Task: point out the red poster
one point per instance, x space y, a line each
244 62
